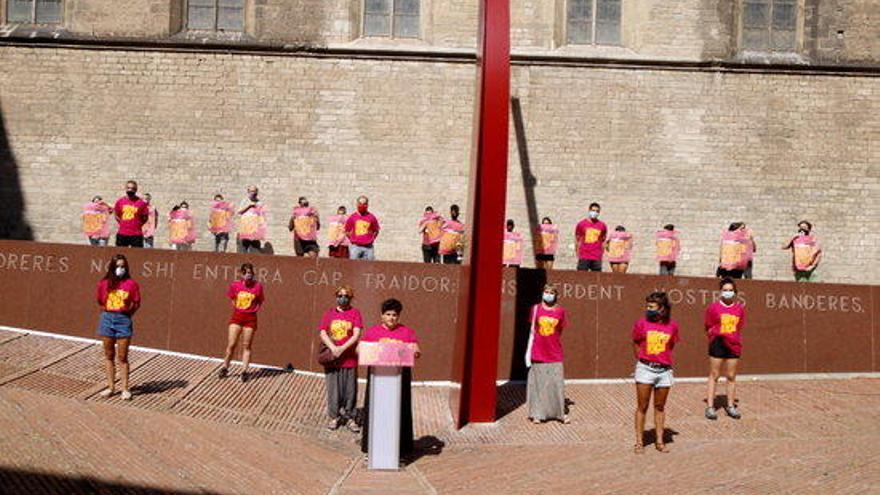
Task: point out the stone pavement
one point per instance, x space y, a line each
185 431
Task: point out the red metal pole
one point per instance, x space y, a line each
479 320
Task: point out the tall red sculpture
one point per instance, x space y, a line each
479 311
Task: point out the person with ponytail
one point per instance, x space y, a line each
724 321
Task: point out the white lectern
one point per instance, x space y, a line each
384 441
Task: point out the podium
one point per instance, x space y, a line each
386 360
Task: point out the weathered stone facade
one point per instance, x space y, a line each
659 136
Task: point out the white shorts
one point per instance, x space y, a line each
659 378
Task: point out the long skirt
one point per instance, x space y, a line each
406 421
546 391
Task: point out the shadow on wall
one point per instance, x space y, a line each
12 221
16 481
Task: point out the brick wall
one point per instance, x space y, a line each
697 149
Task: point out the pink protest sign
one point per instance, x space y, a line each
620 245
513 248
667 244
180 227
95 223
305 223
453 232
386 354
252 225
336 230
221 212
431 223
805 249
549 239
733 250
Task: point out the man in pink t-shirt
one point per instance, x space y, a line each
131 214
362 228
590 238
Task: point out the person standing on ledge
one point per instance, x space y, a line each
512 255
219 222
654 337
119 298
430 228
362 228
751 249
96 221
338 245
251 222
548 236
590 236
667 246
247 299
340 330
304 224
545 389
724 322
453 235
392 331
131 215
152 222
806 253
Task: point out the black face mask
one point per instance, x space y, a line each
131 194
804 231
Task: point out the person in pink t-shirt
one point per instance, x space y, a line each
247 299
546 381
338 245
96 221
654 337
512 254
119 298
589 237
131 215
724 321
362 228
430 228
340 330
392 330
806 253
548 240
619 247
152 222
304 224
451 244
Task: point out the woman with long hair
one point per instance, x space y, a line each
119 297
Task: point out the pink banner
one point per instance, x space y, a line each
432 224
336 230
181 227
305 223
386 354
252 225
548 239
453 232
733 250
513 248
95 222
620 246
221 213
667 244
805 249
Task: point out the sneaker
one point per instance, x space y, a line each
711 414
107 392
733 412
333 424
353 426
244 377
223 373
126 395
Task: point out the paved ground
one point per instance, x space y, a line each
187 432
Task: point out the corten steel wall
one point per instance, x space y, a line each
790 328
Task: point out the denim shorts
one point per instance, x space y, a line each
115 325
658 377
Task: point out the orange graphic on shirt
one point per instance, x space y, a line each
664 247
339 329
218 219
244 299
393 341
361 227
303 225
592 235
657 342
337 231
129 211
728 323
116 300
547 325
803 255
616 248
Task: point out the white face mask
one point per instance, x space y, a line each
594 214
728 295
120 271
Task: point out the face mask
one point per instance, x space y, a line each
549 298
343 300
248 276
362 209
594 214
804 231
131 194
728 294
652 314
253 196
120 271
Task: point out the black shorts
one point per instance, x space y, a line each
717 349
589 265
129 240
308 246
545 257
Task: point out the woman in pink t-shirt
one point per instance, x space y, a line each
340 330
119 298
724 321
392 331
546 382
247 299
654 337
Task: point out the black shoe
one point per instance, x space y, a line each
223 373
244 377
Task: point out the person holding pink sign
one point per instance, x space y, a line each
390 330
220 222
619 248
247 298
453 235
545 389
362 228
96 221
668 247
548 235
430 227
732 253
724 321
304 225
251 222
654 337
340 330
119 298
152 222
589 237
338 245
513 246
806 253
181 227
751 249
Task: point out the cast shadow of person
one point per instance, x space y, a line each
157 386
649 437
427 445
12 206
